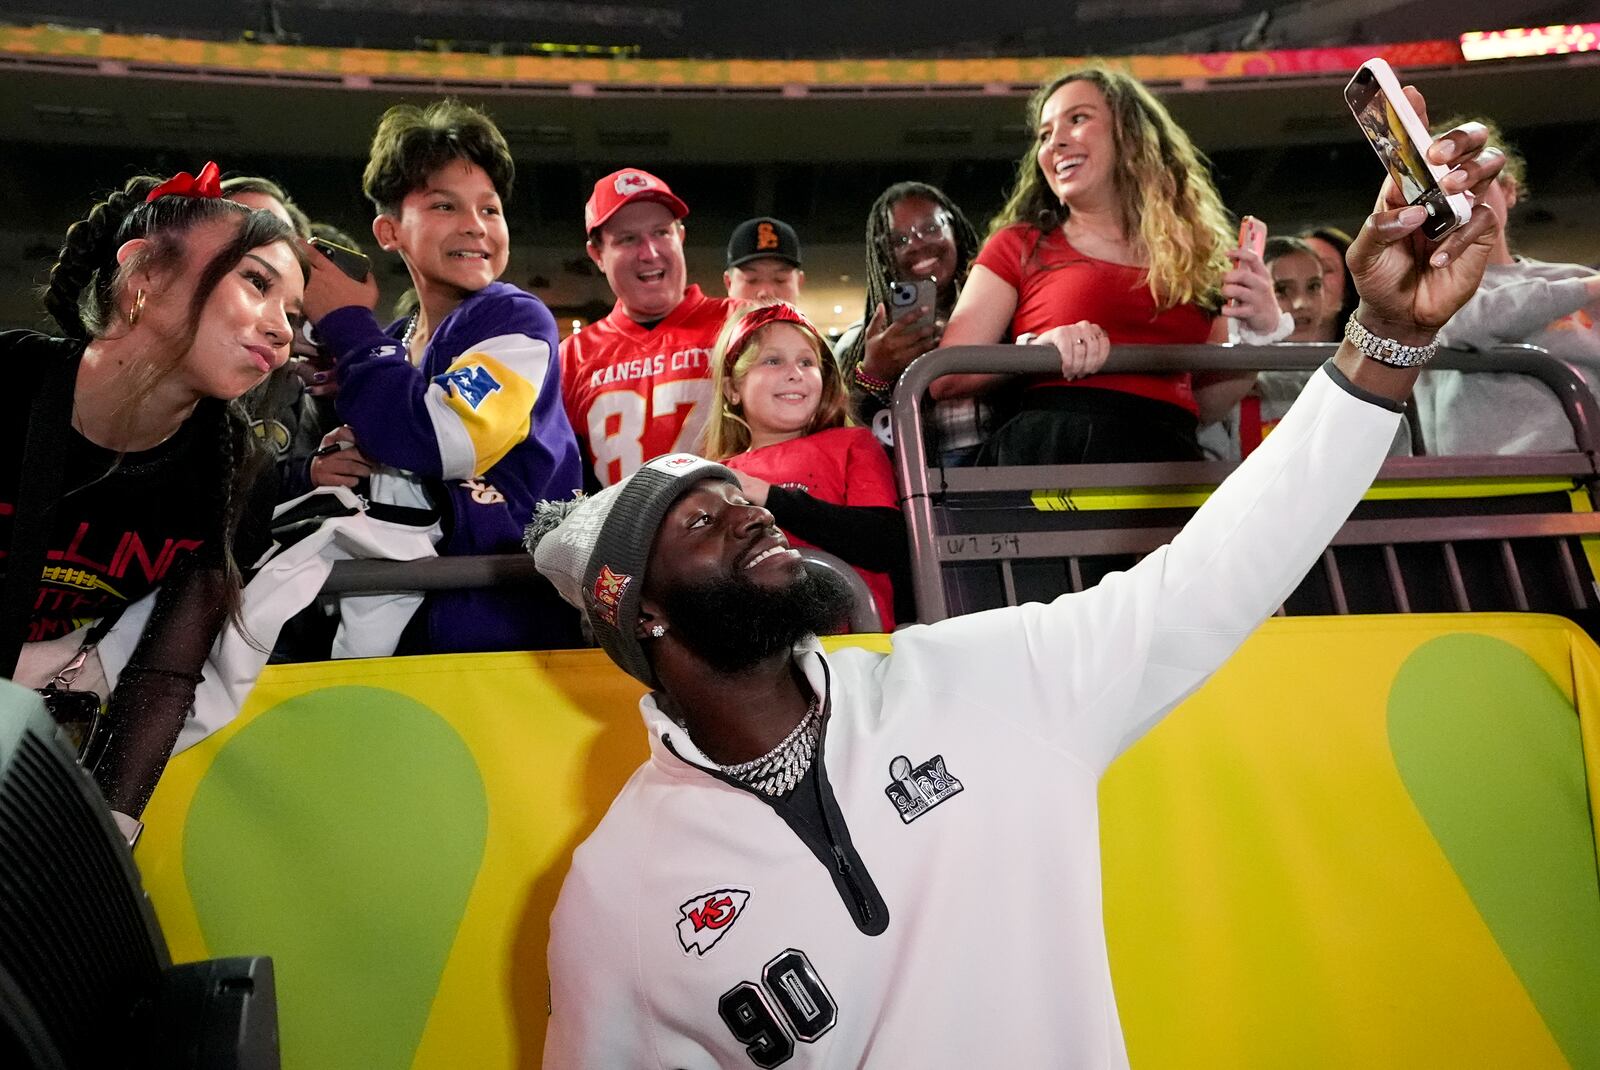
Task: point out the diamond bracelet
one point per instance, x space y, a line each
1387 350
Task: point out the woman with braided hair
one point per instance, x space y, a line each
914 232
125 466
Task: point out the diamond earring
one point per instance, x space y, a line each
658 630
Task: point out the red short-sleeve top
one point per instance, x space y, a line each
1057 285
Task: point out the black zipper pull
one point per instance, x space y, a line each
845 871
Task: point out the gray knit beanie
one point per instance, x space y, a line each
594 549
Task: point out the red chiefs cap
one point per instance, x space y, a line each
624 187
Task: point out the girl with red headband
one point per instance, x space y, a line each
780 420
125 467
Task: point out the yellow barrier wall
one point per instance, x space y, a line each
1366 842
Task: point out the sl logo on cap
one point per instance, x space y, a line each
631 182
608 591
766 236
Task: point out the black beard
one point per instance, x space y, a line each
733 624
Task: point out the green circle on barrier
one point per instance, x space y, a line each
1489 749
340 832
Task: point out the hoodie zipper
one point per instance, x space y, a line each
841 861
865 903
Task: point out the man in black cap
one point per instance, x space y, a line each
764 262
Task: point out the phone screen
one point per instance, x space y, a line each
1393 145
1386 127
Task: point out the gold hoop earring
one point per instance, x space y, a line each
137 310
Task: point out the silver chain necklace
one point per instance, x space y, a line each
780 769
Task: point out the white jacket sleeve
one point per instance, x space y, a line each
1091 672
595 1016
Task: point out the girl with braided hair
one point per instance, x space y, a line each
126 467
292 409
913 232
1114 233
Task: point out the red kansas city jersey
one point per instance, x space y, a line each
634 394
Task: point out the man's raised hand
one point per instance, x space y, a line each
1410 287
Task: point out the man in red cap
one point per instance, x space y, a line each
637 383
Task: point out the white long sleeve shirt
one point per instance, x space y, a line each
959 777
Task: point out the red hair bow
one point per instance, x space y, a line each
207 184
765 316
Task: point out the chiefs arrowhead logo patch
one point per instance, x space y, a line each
708 916
631 182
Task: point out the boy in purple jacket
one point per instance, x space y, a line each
456 407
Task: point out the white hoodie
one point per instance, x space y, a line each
959 781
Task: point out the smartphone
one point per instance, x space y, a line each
1401 141
905 298
76 713
349 261
1253 235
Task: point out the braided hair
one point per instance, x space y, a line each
77 296
883 271
85 293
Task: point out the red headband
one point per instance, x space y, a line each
757 318
207 184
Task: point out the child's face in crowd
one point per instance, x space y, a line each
767 279
780 393
640 251
244 329
451 232
1332 278
1297 281
1077 147
924 246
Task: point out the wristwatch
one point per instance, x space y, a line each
1387 350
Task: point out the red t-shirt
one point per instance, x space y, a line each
1057 285
844 466
634 394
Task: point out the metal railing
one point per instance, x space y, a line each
930 492
517 570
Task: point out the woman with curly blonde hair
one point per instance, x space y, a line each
1113 233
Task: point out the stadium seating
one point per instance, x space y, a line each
453 573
